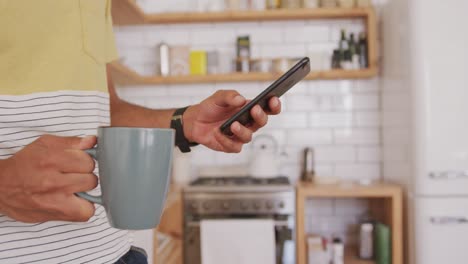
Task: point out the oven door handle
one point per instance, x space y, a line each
276 223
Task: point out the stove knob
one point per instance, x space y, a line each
206 206
225 205
257 205
269 205
281 205
244 205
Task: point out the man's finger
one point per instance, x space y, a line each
78 209
228 98
274 106
260 118
227 144
242 133
60 142
88 142
76 182
72 161
69 182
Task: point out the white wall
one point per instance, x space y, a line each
341 120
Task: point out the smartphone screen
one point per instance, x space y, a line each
278 88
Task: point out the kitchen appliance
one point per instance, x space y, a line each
308 165
439 83
265 160
238 198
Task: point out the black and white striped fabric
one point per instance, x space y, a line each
66 113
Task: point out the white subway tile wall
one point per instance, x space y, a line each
341 120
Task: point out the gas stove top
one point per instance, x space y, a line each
243 181
239 185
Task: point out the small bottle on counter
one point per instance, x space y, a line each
366 240
338 251
308 164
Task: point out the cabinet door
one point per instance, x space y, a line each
441 230
440 91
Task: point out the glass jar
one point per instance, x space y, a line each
310 3
273 4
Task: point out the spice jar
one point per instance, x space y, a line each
310 3
273 4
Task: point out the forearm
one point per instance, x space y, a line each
125 114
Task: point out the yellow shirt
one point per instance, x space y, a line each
52 45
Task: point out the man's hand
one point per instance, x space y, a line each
39 182
202 121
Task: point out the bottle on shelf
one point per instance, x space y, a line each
163 59
354 52
342 46
345 53
363 51
243 54
336 59
338 251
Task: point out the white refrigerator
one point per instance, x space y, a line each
438 43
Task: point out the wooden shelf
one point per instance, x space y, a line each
385 205
122 75
127 12
351 258
348 190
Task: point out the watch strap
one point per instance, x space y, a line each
176 123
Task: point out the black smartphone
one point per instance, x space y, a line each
278 88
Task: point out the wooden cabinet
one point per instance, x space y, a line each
385 205
168 237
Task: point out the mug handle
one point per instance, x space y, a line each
94 199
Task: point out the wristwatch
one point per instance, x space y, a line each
180 140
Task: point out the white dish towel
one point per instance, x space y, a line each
238 241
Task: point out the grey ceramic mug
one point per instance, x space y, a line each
134 172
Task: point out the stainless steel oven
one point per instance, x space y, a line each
240 198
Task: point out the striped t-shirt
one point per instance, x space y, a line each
23 118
